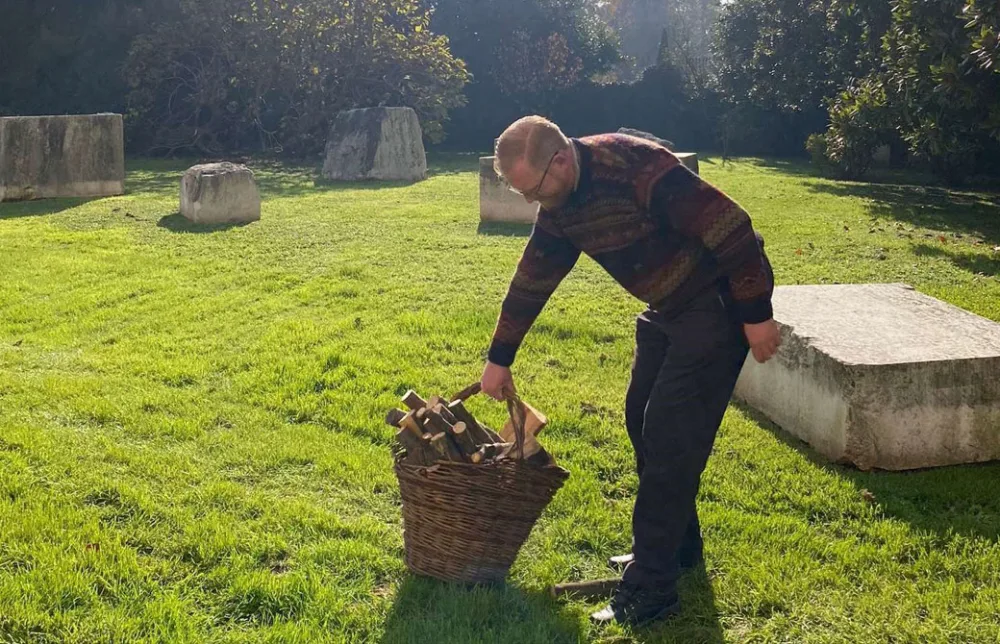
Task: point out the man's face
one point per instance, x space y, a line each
549 186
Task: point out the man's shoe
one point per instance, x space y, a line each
685 560
636 606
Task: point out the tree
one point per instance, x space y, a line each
657 32
780 62
63 56
522 55
936 91
269 75
984 23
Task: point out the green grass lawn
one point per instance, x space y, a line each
192 446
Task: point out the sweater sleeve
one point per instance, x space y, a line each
546 260
697 209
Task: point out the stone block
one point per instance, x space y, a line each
384 143
497 202
646 135
61 156
881 376
219 193
689 160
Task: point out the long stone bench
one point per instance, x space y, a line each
61 156
881 376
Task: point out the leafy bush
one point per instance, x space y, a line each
269 75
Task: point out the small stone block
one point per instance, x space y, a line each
380 143
689 160
219 193
497 202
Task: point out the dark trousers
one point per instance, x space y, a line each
685 368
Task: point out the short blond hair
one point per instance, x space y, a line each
535 139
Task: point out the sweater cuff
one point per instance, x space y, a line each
502 354
755 311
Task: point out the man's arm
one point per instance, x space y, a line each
699 210
546 260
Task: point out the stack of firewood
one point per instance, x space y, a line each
436 430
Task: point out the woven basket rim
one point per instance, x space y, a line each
507 462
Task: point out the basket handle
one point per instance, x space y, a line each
514 409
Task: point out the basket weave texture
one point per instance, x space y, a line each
467 523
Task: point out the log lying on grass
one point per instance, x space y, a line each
436 430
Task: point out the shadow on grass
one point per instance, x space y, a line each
959 499
698 620
41 207
452 163
179 224
429 611
426 610
970 213
911 197
975 263
277 178
503 229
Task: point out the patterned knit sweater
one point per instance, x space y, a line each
657 228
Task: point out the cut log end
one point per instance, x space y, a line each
413 401
394 417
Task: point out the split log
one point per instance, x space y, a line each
478 433
436 423
413 401
445 413
414 447
468 392
410 424
534 422
488 452
495 437
445 448
394 417
463 439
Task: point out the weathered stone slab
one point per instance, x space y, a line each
881 376
219 193
384 143
689 160
61 156
646 135
497 202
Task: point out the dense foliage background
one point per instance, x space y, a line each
839 78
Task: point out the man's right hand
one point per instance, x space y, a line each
496 380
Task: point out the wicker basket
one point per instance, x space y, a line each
467 523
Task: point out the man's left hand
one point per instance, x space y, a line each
764 339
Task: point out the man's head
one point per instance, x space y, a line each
537 160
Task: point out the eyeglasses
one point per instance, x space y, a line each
534 191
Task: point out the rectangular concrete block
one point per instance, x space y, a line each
689 160
881 376
61 156
497 202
